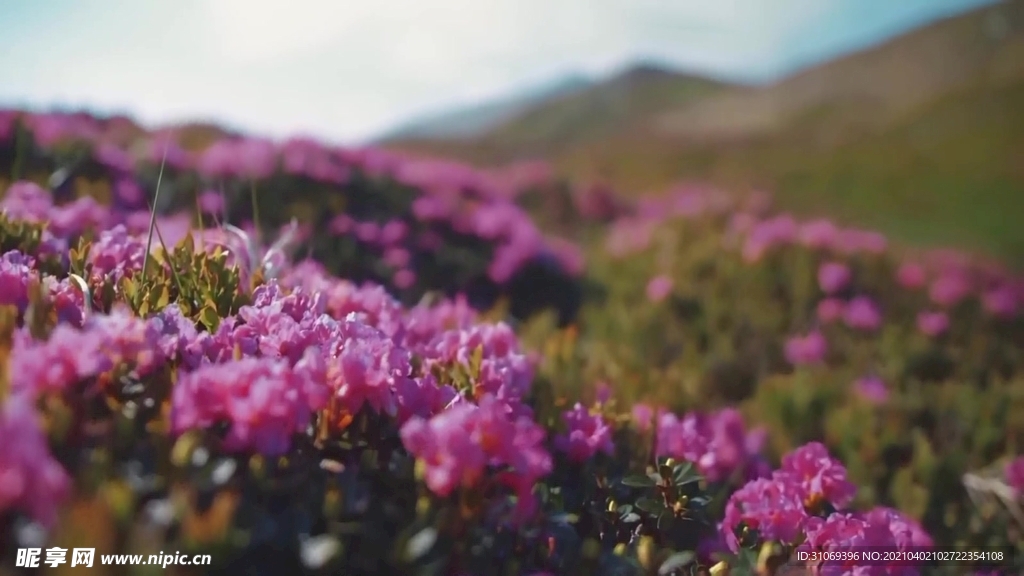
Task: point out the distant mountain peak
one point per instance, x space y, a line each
474 120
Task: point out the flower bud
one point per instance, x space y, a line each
645 550
720 569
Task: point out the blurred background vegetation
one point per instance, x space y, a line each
921 136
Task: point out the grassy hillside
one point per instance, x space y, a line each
951 173
601 112
605 110
473 120
922 136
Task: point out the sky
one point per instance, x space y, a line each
347 70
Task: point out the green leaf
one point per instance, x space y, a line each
638 481
186 247
684 474
129 288
209 317
476 360
650 505
159 297
675 562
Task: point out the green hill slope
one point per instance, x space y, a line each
922 136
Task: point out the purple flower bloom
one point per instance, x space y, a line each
265 400
586 434
950 288
911 275
862 314
211 202
16 274
719 443
116 254
821 476
659 288
363 366
1000 302
643 417
872 389
1014 474
806 350
932 323
833 277
830 309
455 445
68 357
818 234
773 507
27 201
31 481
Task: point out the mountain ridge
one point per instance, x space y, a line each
474 119
924 127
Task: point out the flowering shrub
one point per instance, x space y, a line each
171 381
410 224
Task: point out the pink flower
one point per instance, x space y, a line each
830 309
841 532
872 389
820 474
774 507
643 416
397 257
718 443
818 234
368 232
659 288
363 366
1014 474
265 400
586 435
806 350
833 277
393 232
911 275
455 446
949 289
879 528
932 323
211 202
443 444
404 278
905 531
1000 302
862 314
852 241
31 481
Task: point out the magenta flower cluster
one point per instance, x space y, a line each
718 443
312 352
804 503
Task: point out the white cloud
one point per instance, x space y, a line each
253 31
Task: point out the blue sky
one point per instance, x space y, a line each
346 70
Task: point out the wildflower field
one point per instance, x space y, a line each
300 358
